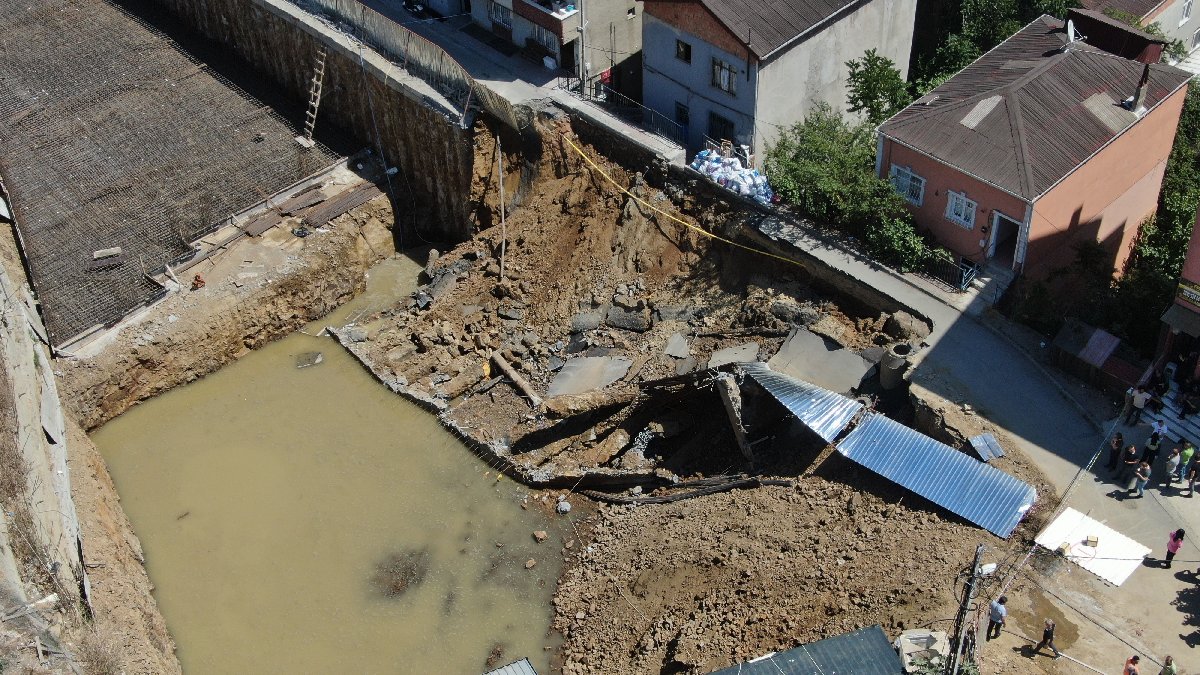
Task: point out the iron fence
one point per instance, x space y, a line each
626 108
956 274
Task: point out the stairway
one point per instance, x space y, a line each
1177 429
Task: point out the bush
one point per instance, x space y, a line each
895 241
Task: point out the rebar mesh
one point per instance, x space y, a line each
112 135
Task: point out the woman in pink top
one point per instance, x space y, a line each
1174 543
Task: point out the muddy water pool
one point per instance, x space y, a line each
267 497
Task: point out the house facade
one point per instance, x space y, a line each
1040 146
597 41
1181 322
740 70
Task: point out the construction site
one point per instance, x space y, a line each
591 410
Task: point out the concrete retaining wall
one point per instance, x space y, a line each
365 94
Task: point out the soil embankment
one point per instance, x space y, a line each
264 288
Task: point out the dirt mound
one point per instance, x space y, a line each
705 583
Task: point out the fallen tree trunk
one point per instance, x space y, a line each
737 484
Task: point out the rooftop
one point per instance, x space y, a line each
1138 8
1001 119
765 27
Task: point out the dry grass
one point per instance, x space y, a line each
99 651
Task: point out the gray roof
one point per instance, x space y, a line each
865 651
765 26
958 483
1028 113
821 410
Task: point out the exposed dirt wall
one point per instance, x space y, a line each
290 282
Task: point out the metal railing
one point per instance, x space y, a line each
627 109
416 55
955 274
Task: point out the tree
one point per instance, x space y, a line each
875 87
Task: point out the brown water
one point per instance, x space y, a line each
266 497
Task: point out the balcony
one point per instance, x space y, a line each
558 10
560 18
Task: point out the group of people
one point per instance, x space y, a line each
1132 468
998 616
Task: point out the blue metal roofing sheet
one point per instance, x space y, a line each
522 667
864 652
980 493
819 409
987 447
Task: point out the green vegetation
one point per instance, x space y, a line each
875 87
825 165
1175 49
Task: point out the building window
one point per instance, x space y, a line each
682 116
724 76
960 210
546 38
908 184
631 13
1196 39
1187 12
719 128
683 51
500 14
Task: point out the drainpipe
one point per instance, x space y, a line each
583 69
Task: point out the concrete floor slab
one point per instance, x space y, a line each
812 358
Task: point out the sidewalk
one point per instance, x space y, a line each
516 79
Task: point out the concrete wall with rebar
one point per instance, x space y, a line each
421 129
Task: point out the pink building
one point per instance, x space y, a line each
1181 334
1040 144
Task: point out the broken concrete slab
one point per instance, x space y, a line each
677 347
636 321
587 373
685 366
905 326
743 353
813 358
307 359
511 313
586 321
674 313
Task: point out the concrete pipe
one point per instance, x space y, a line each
893 364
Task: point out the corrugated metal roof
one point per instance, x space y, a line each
821 410
522 667
987 447
766 26
1021 146
864 652
979 493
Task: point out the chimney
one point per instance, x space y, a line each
1137 102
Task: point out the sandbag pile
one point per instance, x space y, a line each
729 173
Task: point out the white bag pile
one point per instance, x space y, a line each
729 173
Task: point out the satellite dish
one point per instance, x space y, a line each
1071 34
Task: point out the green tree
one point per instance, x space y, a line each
875 87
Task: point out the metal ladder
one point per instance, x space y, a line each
314 100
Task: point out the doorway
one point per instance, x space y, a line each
1002 248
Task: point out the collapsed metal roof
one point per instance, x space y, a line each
951 479
979 493
819 409
865 651
522 667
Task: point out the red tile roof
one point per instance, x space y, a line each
1029 112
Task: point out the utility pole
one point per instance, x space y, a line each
960 621
583 57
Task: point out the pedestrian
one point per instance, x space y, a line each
1191 477
1150 451
1174 543
1185 458
1160 427
1128 407
1129 464
1141 478
1131 665
1139 396
1168 667
1047 639
1173 460
997 616
1115 445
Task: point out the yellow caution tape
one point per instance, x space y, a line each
673 217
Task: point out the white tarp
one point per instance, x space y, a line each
1113 558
